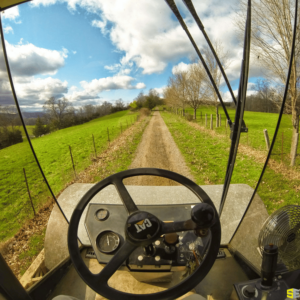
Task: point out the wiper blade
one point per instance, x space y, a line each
176 12
241 100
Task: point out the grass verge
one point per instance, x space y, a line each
207 158
54 156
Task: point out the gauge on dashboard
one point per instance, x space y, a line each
108 242
102 214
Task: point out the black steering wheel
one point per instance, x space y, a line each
205 216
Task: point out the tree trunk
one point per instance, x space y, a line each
294 144
195 110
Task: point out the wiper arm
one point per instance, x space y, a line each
241 100
175 10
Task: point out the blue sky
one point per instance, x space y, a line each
92 51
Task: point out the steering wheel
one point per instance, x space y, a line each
204 216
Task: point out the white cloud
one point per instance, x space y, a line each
36 90
74 52
29 60
11 13
8 29
181 67
92 89
151 37
250 91
160 90
140 85
101 25
113 68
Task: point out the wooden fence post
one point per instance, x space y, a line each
294 150
217 120
282 137
28 191
108 136
267 139
211 122
205 120
72 161
94 146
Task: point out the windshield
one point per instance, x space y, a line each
103 88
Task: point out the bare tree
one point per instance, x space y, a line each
198 91
214 69
57 110
271 37
178 84
267 94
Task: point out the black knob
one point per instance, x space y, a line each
249 291
203 215
171 238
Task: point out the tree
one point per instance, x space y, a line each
198 91
271 37
140 100
39 128
214 68
152 99
178 89
267 96
9 137
57 110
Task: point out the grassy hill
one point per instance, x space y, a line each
53 153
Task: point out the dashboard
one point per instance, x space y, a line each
105 225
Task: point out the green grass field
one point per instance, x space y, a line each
53 153
256 122
207 158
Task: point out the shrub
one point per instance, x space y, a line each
145 111
10 137
189 117
39 128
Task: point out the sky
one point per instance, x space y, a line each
91 51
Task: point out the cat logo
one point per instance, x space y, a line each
142 225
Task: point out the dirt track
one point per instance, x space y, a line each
158 150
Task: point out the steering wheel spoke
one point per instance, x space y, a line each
125 196
177 226
116 261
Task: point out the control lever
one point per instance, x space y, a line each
268 266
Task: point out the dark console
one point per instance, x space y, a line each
105 227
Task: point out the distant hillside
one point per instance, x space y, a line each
32 114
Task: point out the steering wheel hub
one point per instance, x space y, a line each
142 227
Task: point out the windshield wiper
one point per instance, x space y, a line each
241 100
176 12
